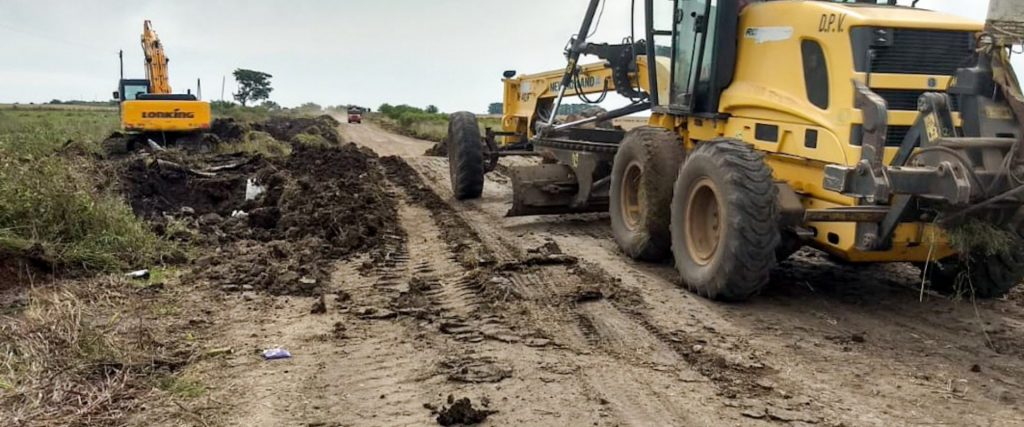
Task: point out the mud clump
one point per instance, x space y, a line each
439 149
290 129
462 412
319 206
155 187
229 129
273 224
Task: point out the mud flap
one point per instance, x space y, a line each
548 189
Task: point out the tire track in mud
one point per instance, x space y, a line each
792 339
376 378
600 334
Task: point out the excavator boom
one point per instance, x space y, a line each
156 61
148 106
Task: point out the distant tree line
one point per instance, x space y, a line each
80 102
407 115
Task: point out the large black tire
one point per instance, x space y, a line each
980 276
725 221
465 156
643 175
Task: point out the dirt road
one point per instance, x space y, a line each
544 322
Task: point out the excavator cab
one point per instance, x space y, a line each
131 89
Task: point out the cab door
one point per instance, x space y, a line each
693 51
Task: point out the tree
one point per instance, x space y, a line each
432 109
252 85
496 108
309 108
270 105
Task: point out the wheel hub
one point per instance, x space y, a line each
704 221
632 208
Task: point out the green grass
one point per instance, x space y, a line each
52 196
256 143
980 238
429 127
40 133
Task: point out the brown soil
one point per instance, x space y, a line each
154 190
542 321
319 204
288 128
19 268
461 412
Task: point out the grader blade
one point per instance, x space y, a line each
548 190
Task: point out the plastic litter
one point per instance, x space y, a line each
253 190
140 275
276 353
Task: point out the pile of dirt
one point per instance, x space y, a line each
439 149
156 187
289 129
267 224
320 205
229 129
22 266
462 412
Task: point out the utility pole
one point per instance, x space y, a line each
223 80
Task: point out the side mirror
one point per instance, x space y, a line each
117 95
509 74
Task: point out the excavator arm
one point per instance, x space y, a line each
156 61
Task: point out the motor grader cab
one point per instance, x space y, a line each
870 131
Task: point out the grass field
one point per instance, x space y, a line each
429 128
59 205
54 198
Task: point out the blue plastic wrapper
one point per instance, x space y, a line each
276 353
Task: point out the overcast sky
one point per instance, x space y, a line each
445 52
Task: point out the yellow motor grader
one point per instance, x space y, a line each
868 130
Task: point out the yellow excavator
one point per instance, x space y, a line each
871 130
149 107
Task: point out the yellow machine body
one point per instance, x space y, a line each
156 108
165 116
768 88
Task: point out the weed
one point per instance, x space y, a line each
56 200
257 143
182 387
86 352
976 237
311 140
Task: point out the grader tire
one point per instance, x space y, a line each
643 174
465 156
725 221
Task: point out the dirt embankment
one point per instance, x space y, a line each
267 223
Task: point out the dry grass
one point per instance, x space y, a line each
976 237
256 142
87 353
